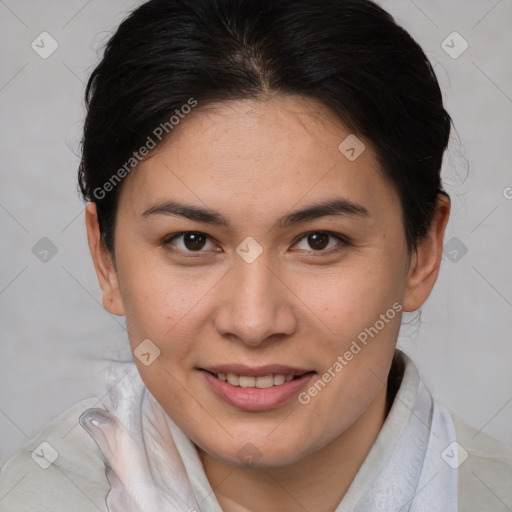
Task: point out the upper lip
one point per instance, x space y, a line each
259 371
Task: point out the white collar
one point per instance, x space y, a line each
153 465
404 470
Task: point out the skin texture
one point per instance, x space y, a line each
254 161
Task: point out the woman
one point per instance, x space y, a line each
264 203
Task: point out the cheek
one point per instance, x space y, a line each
160 297
358 314
347 300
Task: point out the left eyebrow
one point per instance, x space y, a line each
333 207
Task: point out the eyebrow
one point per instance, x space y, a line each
333 207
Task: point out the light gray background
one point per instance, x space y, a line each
55 333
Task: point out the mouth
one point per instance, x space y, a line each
256 389
263 382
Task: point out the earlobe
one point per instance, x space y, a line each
426 261
103 264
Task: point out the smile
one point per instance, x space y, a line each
254 389
246 381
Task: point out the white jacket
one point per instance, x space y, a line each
106 463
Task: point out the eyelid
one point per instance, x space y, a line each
167 241
344 241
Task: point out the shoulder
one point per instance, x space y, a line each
61 468
485 471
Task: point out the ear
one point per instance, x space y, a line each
426 260
103 263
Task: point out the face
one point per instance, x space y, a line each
219 270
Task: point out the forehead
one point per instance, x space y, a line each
248 156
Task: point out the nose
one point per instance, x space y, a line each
255 305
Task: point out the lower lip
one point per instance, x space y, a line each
256 399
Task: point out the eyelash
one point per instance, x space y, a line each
344 242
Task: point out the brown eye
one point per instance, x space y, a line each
318 241
194 241
189 241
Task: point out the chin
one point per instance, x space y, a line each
256 453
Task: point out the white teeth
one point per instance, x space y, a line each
233 379
267 381
246 382
279 379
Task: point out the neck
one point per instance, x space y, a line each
329 471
